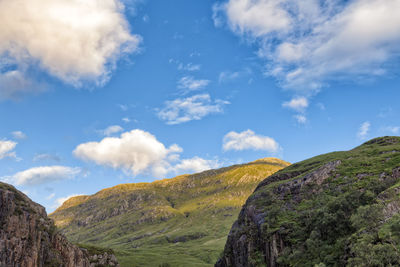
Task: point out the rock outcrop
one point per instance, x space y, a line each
28 238
338 209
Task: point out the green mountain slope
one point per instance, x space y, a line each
181 221
337 209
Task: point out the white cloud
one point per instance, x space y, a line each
189 83
228 76
300 118
73 40
298 104
249 140
189 67
364 130
196 164
18 135
6 149
113 129
195 107
123 107
308 43
136 152
43 174
392 129
126 120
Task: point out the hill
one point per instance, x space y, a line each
337 209
181 221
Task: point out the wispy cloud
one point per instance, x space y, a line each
46 157
392 129
189 67
18 135
300 118
111 130
7 149
191 108
41 175
189 83
249 140
307 44
298 104
364 130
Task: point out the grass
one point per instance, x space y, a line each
181 221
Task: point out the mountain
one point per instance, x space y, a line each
181 221
29 238
337 209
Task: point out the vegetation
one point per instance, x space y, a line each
349 218
183 221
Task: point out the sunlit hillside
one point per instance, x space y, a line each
177 221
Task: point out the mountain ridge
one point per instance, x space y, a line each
196 210
335 209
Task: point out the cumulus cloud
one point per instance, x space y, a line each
249 140
6 149
73 40
308 43
113 129
191 108
18 135
196 164
189 83
364 130
137 152
43 174
298 104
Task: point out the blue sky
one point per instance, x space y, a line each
98 93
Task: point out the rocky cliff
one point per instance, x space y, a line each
338 209
28 238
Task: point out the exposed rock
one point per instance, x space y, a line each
29 238
298 211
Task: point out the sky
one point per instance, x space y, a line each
95 93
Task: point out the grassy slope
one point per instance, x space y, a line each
182 221
351 219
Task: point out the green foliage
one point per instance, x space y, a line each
342 220
94 250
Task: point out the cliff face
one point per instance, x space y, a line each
182 221
28 237
338 209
